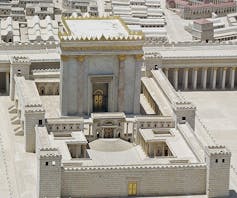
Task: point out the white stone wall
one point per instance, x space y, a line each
151 181
49 177
218 175
188 114
31 120
24 69
76 78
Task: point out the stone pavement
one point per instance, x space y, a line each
8 186
175 26
217 111
17 168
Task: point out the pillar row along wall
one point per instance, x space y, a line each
202 78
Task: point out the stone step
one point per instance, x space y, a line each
19 132
17 128
13 110
16 121
12 106
13 117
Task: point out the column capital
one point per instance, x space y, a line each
122 57
138 57
80 58
233 68
215 68
224 68
176 69
195 68
186 69
64 57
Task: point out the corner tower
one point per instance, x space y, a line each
218 171
101 63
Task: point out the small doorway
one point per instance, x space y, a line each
108 133
132 188
2 82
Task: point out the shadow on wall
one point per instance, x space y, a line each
233 194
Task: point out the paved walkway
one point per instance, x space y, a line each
8 186
175 26
217 111
17 168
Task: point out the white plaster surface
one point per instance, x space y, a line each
97 28
51 105
217 111
17 168
175 25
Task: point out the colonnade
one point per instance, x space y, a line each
202 77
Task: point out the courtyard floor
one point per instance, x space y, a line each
217 110
17 168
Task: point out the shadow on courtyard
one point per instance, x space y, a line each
233 194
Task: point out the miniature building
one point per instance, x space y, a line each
201 9
101 87
203 30
97 142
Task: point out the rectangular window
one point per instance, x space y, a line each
40 122
132 188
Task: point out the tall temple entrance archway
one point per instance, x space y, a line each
100 97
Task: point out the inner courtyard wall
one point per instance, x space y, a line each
111 182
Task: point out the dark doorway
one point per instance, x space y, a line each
2 82
108 133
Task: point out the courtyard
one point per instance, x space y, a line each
217 112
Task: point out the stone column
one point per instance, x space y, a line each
63 86
223 78
204 78
176 78
127 129
138 66
194 78
167 72
7 82
89 130
84 151
232 78
80 81
185 79
214 70
121 87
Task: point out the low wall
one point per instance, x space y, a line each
156 180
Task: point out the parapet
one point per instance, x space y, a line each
49 153
184 105
217 150
29 45
44 147
132 167
20 60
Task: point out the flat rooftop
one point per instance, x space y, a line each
119 152
96 28
51 106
